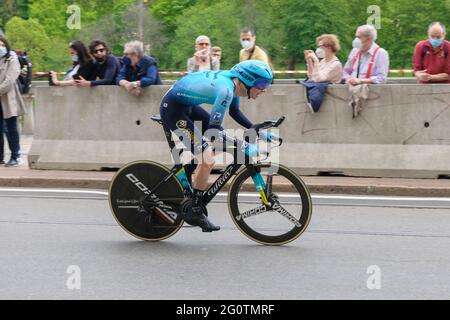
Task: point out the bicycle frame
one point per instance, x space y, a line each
179 171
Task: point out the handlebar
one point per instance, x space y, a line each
269 124
232 141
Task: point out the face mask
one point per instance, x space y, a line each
436 43
320 53
75 58
247 45
126 61
357 43
3 52
100 60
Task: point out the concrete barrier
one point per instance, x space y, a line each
28 118
402 132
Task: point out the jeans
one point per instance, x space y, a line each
12 135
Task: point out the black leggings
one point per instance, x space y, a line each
182 119
12 135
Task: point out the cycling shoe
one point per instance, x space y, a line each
195 217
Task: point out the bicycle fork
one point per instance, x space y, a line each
261 186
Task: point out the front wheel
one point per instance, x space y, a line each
284 217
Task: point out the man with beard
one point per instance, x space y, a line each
107 66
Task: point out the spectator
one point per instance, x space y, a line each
11 103
216 53
107 66
202 59
324 66
431 57
139 70
368 63
250 50
83 67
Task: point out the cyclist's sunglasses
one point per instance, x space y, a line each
262 84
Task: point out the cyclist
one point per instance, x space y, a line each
180 108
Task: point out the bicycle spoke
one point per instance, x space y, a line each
252 212
278 208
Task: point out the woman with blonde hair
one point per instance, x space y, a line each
323 65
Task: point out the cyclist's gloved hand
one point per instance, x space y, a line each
251 150
269 136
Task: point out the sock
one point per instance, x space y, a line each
197 198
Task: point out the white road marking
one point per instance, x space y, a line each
328 200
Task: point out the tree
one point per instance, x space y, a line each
118 29
285 28
405 24
220 21
168 11
11 8
29 35
293 26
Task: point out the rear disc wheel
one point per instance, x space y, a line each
159 216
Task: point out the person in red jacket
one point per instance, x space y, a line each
431 57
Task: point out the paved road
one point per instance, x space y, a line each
41 238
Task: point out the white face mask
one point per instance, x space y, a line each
75 58
247 45
3 52
320 53
357 43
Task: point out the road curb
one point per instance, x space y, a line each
315 185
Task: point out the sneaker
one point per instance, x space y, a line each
195 217
12 163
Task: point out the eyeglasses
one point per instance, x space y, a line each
204 44
100 50
262 84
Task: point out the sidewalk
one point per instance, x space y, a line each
22 176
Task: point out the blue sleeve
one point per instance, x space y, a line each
238 115
221 104
122 75
110 74
150 77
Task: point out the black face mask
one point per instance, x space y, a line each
100 60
